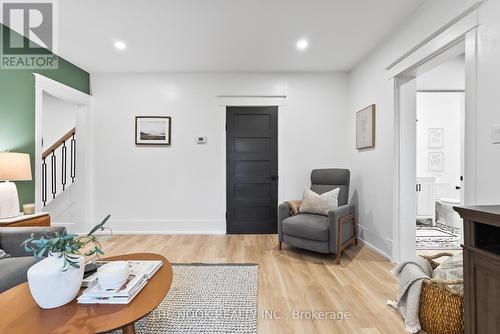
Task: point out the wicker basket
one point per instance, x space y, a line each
441 309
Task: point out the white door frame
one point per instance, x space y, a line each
254 101
460 36
82 101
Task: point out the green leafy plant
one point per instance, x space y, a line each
68 246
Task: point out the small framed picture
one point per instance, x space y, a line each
436 137
152 130
436 161
365 128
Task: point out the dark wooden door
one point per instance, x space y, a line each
252 169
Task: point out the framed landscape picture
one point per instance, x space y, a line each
152 130
365 128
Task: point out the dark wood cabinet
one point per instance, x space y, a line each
481 268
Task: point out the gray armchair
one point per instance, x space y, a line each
324 234
13 270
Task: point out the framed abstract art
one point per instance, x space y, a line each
365 128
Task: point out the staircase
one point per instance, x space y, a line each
56 158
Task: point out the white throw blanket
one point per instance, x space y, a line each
411 274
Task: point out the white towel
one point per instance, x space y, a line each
411 274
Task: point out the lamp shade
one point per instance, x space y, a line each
15 166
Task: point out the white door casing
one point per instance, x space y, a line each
460 36
81 193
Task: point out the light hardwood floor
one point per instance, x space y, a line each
291 280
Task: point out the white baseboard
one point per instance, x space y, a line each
379 244
375 249
169 226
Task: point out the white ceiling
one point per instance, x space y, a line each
224 35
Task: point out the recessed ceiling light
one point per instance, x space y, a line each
302 44
120 45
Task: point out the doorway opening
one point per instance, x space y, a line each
440 131
61 153
251 170
458 38
59 135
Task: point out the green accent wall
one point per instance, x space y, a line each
17 111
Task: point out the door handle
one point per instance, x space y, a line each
458 187
274 177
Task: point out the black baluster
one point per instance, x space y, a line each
44 182
53 173
63 165
73 159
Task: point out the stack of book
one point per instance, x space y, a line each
139 274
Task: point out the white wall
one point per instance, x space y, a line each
447 76
373 170
58 117
441 110
181 188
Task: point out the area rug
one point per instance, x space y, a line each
436 238
207 298
424 222
433 232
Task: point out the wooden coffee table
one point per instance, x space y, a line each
20 314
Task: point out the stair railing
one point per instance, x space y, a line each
51 154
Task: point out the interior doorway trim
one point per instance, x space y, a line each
44 85
460 36
440 39
245 100
251 100
440 91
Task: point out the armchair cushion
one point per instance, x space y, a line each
13 271
319 204
323 180
307 226
12 237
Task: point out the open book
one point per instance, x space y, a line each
139 274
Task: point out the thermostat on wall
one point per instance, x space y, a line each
201 140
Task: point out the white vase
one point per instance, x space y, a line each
52 287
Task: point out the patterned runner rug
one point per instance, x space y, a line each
436 238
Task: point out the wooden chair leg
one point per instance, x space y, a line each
339 241
343 245
279 245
